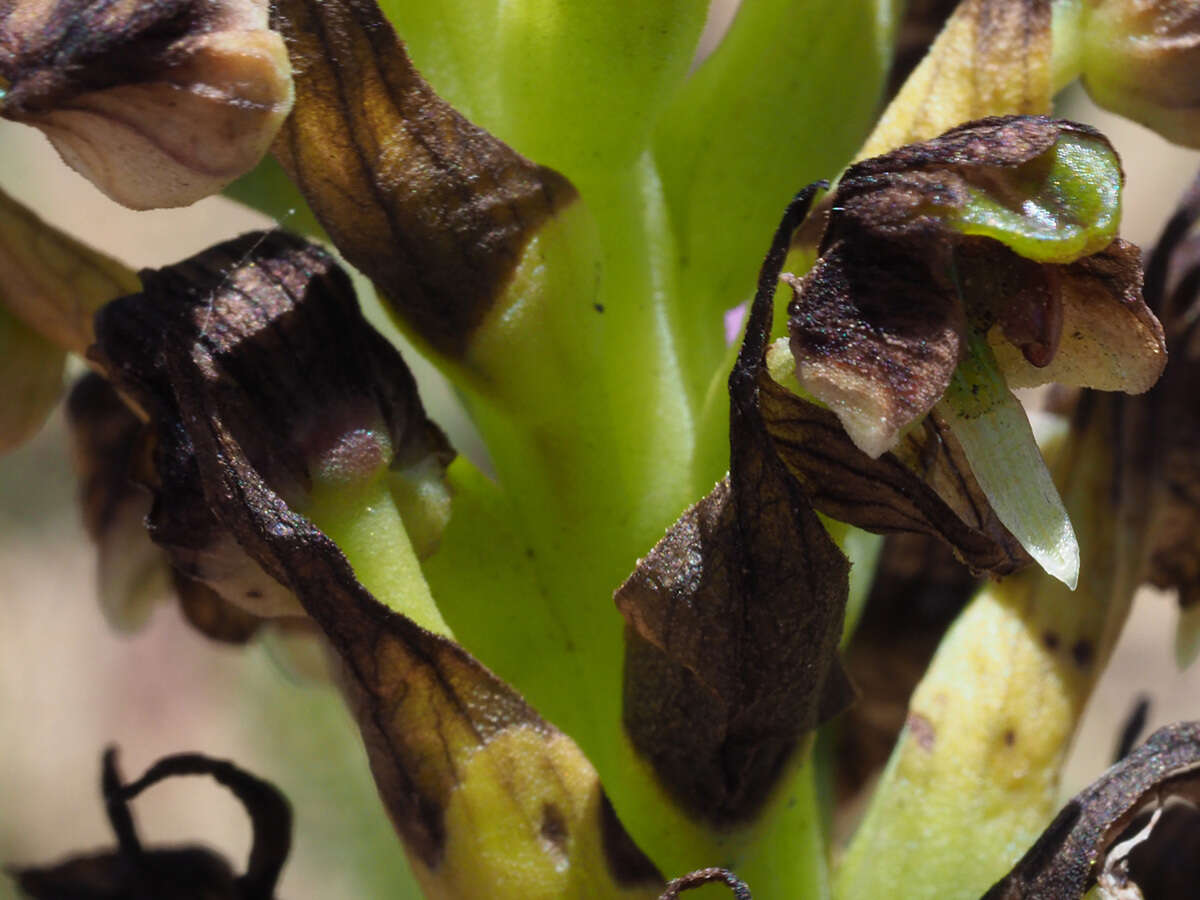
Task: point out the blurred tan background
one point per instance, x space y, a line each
69 686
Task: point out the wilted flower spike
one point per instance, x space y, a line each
158 104
251 446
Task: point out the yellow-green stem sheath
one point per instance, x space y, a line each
974 777
1066 59
362 519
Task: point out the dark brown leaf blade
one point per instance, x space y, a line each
734 617
433 209
1066 860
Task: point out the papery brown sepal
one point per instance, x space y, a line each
441 210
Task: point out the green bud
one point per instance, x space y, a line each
1141 58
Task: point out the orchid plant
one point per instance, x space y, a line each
607 660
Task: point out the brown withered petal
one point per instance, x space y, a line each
1067 858
300 375
1106 345
433 209
122 467
253 360
108 440
936 171
733 619
132 872
113 449
877 334
158 104
923 486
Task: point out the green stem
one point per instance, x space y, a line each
362 519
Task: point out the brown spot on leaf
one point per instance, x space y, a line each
554 828
1009 737
1083 652
921 729
1051 641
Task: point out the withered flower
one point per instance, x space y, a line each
1003 228
132 870
259 305
954 269
158 104
289 473
733 619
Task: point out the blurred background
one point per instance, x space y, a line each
69 686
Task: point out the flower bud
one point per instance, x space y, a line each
1141 58
158 104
